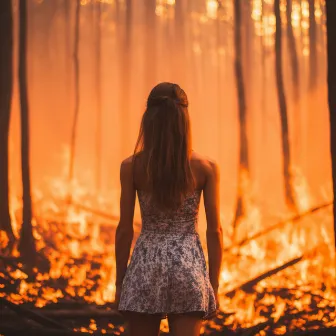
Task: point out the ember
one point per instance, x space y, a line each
278 272
271 281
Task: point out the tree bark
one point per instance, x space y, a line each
331 47
76 76
6 87
243 169
312 45
286 150
125 77
27 246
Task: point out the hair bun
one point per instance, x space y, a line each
159 100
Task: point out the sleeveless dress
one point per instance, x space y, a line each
167 272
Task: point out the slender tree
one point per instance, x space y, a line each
67 42
294 65
27 246
180 42
247 38
331 46
243 172
219 79
150 44
286 168
76 76
294 61
263 81
125 75
6 85
312 45
98 95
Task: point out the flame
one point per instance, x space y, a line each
78 246
78 243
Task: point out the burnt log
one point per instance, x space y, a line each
34 316
79 313
293 220
248 286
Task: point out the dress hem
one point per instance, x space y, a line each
206 316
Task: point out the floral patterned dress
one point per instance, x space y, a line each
167 272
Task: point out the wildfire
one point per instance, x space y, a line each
77 244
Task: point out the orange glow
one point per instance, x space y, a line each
76 234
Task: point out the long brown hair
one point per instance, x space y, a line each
165 143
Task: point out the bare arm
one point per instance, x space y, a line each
214 232
124 232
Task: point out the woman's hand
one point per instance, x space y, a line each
215 288
117 296
217 301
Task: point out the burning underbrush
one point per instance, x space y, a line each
277 280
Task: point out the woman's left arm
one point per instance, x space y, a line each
124 231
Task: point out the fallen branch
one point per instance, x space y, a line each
72 313
255 329
95 211
34 316
100 213
248 286
13 263
278 225
8 331
319 332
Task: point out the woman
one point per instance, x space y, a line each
167 274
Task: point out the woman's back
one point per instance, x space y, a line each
183 219
167 261
167 273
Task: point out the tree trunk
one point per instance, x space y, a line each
312 46
294 62
243 169
6 86
263 86
293 52
76 76
331 45
219 84
98 97
289 192
150 45
247 37
67 25
125 78
27 246
180 44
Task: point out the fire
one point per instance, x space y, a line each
78 245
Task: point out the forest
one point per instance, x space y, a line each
261 79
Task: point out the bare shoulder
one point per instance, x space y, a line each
126 166
204 163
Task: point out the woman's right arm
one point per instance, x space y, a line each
214 233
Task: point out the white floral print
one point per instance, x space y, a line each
167 272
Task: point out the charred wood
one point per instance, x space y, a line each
292 220
34 316
248 286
